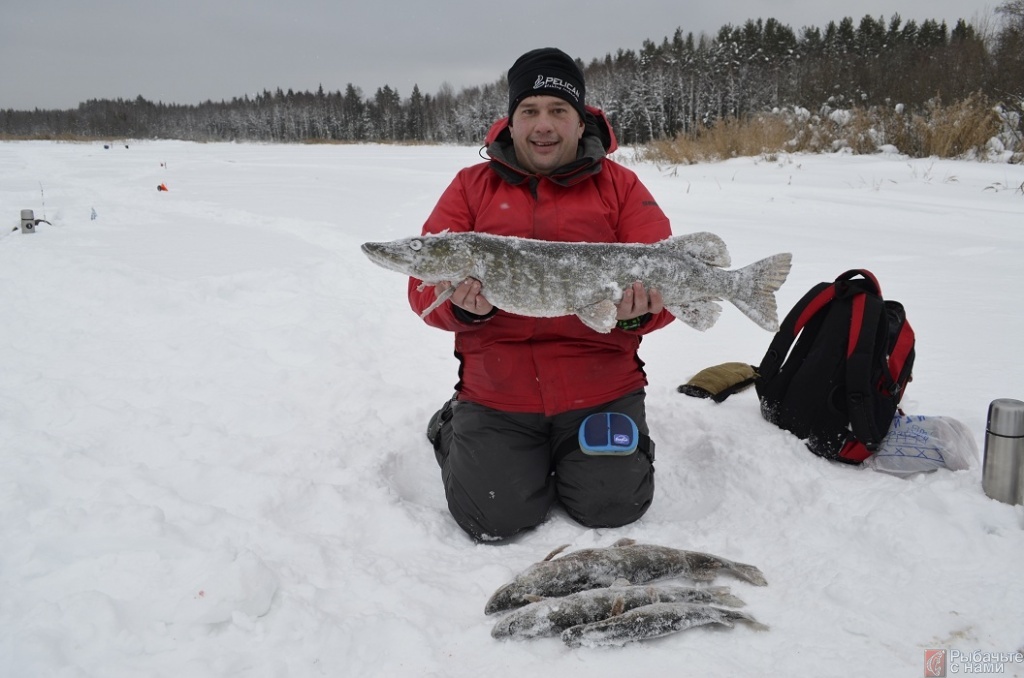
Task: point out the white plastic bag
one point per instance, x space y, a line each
917 444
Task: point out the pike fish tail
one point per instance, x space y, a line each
757 298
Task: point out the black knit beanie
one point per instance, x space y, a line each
547 71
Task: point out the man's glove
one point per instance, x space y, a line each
720 382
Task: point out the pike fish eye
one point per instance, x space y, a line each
416 245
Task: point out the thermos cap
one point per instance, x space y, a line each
1006 418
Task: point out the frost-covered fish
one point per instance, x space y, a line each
544 279
653 621
551 616
600 567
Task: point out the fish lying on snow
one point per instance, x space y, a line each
551 616
653 621
600 567
544 279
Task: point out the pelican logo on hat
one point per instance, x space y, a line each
550 82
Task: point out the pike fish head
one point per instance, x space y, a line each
430 258
536 580
508 597
523 623
546 579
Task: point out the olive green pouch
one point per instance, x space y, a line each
720 382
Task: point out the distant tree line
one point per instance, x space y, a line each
658 92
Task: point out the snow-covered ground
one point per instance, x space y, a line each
212 413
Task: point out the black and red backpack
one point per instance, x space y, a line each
840 385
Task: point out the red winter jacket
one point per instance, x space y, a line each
546 365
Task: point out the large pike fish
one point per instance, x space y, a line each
599 567
653 621
544 279
551 616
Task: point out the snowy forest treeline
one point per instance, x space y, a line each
658 92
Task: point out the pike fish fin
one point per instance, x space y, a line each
747 573
441 298
599 317
700 315
555 552
737 616
723 596
705 247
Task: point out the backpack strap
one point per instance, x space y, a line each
901 349
866 313
870 281
816 299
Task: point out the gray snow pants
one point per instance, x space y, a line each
503 471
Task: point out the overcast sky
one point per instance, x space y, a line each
58 53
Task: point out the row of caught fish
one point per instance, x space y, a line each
598 597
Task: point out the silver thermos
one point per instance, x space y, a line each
1003 476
